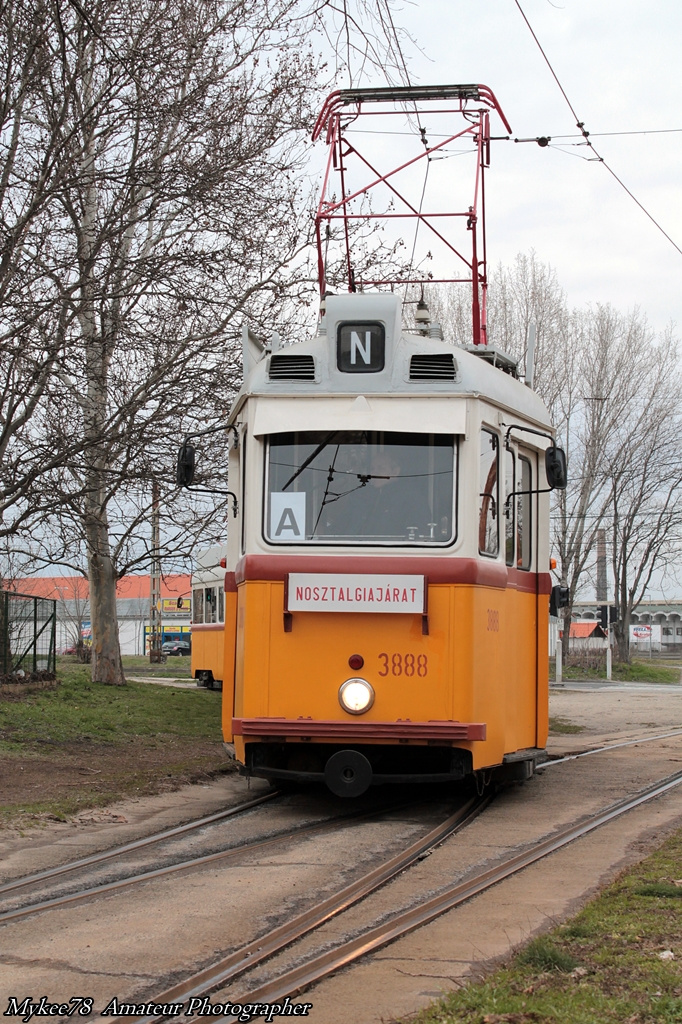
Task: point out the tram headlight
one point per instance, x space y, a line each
356 696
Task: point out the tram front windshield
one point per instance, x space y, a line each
350 487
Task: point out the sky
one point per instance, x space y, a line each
619 66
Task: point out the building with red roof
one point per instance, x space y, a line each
133 594
587 631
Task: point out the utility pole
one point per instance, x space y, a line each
601 567
155 628
602 597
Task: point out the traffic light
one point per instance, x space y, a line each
559 598
608 613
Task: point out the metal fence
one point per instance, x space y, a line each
28 633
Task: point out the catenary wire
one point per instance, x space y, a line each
508 138
581 125
422 131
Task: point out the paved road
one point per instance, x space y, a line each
578 685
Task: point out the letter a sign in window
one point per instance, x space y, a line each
287 516
360 348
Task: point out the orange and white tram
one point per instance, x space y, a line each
387 580
387 586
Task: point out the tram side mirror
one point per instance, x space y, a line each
555 468
184 474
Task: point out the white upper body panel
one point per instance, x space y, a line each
411 365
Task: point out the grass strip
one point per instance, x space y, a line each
79 710
618 962
84 745
637 672
559 726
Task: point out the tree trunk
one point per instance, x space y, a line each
621 631
621 628
106 652
5 651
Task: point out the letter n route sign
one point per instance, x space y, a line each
360 347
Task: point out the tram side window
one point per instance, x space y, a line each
210 605
509 506
489 502
221 604
524 513
198 605
243 495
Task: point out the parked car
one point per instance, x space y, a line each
176 648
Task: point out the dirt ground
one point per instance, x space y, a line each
96 772
131 945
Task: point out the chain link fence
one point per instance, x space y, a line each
28 634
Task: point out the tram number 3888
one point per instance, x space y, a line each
404 665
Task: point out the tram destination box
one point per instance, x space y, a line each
352 592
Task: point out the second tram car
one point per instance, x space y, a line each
208 618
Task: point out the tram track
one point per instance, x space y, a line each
608 746
264 947
234 852
316 967
112 853
316 941
134 845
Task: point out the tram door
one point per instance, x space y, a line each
519 530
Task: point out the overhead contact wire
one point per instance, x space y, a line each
580 124
585 133
402 63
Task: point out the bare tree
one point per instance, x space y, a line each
528 292
645 479
34 313
152 196
612 390
178 129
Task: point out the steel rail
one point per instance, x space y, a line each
266 946
147 876
608 746
316 968
137 844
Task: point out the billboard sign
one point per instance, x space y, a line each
644 633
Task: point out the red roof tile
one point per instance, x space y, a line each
71 588
587 629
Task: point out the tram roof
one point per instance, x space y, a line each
361 349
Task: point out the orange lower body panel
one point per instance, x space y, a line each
472 674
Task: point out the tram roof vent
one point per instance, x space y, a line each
433 366
291 367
